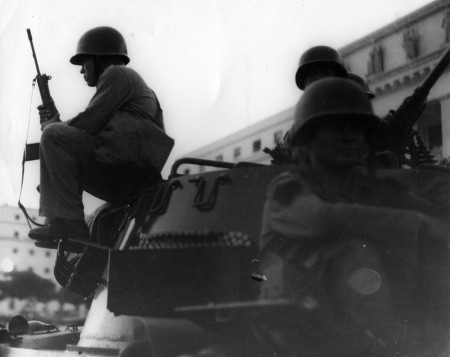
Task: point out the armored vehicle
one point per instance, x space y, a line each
176 273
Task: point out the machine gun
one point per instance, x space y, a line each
42 81
397 134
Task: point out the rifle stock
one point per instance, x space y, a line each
31 152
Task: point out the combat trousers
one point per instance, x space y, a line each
69 167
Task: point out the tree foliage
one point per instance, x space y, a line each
27 284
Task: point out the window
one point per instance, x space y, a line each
237 153
277 137
219 158
257 145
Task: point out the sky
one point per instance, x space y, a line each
216 66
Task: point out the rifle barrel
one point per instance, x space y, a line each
434 75
30 38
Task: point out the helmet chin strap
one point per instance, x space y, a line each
99 65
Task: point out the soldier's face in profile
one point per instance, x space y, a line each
338 143
89 72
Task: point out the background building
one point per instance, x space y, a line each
397 58
394 60
18 252
246 144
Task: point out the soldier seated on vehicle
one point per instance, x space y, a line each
334 231
315 63
113 149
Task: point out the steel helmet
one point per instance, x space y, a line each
357 79
319 56
103 40
330 99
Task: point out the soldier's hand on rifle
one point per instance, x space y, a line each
48 115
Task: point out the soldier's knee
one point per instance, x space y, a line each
52 132
357 252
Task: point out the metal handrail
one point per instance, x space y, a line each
195 161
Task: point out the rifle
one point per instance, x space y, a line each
32 150
42 81
397 134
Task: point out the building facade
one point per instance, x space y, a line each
245 145
17 251
394 60
397 58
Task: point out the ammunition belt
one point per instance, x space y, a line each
192 239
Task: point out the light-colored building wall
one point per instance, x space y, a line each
17 251
401 74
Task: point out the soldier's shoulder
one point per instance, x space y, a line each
115 72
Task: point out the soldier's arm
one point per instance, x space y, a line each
113 90
309 217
